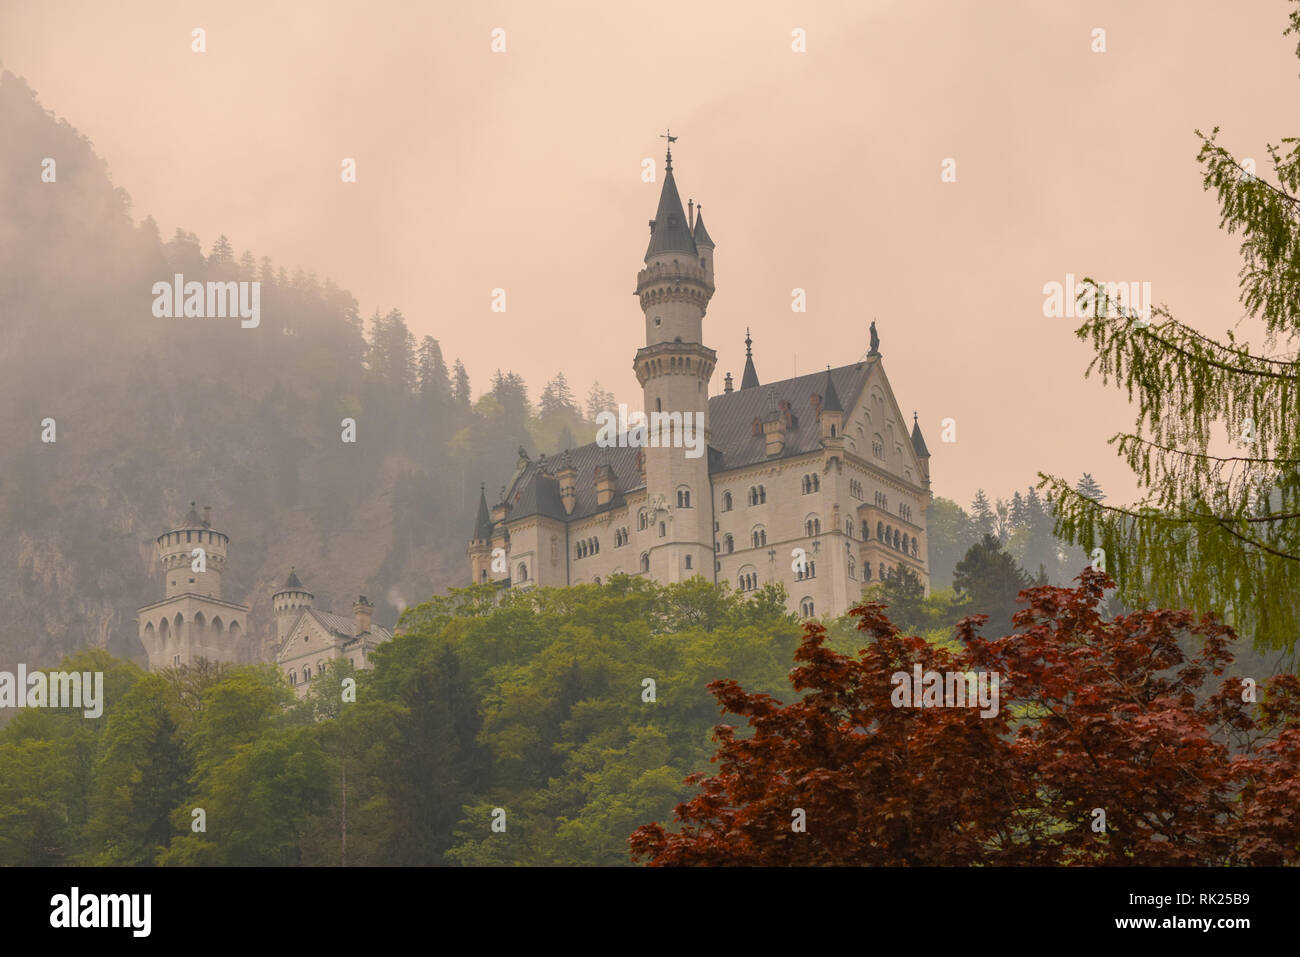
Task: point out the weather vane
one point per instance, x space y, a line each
671 140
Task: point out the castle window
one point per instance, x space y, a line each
482 575
663 529
852 568
877 447
726 501
683 497
523 572
880 531
688 562
866 571
832 430
806 607
641 520
759 536
306 672
730 544
866 530
645 561
293 675
812 526
596 580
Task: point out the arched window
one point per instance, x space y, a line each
897 538
726 501
306 672
663 529
688 562
293 677
523 572
806 607
762 495
482 574
729 544
812 525
683 497
645 561
915 550
759 537
880 531
907 544
878 446
596 580
641 520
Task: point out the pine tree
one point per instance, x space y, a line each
989 581
460 383
1018 515
1211 532
431 371
222 252
1088 487
982 513
557 398
599 400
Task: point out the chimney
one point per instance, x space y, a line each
207 516
726 384
604 485
773 426
567 476
361 611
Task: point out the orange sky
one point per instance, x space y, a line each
817 170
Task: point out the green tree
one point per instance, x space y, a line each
988 581
1211 531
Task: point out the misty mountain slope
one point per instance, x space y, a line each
154 412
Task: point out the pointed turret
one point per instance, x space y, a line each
483 522
701 235
918 440
750 377
830 399
669 230
922 453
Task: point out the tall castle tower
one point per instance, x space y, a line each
674 368
192 621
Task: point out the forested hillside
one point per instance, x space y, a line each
152 413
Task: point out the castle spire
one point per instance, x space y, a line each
483 522
669 230
750 377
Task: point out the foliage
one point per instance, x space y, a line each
1094 714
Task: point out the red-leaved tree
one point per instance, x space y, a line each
1110 746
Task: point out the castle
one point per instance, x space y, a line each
812 481
194 622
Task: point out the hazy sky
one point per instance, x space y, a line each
818 170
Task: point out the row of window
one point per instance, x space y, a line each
811 483
306 671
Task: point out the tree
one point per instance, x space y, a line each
1090 715
557 398
1088 487
988 579
460 384
431 371
982 514
1211 530
599 400
950 532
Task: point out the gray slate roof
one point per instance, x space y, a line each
345 627
670 233
536 490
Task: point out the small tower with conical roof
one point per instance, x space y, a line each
674 368
480 542
287 604
749 380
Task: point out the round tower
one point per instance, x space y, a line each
193 556
674 368
288 603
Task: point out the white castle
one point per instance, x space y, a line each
194 622
812 481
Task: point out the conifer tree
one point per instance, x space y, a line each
1212 531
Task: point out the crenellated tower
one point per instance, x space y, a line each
674 368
